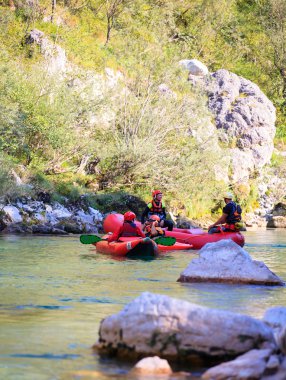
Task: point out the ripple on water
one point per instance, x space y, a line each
48 355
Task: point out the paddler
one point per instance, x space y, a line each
157 207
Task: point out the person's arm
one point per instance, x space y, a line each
145 214
116 234
164 215
221 220
153 230
140 232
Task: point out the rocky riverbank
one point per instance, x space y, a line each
31 216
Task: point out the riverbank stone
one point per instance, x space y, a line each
158 325
225 261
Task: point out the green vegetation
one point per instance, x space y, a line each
47 135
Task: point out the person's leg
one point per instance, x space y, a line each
168 224
214 230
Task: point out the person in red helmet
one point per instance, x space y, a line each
157 207
151 227
128 228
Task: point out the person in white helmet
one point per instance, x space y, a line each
231 216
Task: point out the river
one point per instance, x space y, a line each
54 293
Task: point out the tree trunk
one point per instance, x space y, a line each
54 3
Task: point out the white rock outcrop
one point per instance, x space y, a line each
245 118
226 261
155 324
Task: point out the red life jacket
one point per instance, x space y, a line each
157 208
129 229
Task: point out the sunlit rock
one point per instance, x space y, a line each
55 56
194 66
245 118
225 261
249 366
152 365
155 324
277 222
13 214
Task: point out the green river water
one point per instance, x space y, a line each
54 292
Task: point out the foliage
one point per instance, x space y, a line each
7 183
155 139
150 145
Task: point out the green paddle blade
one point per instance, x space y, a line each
165 240
89 239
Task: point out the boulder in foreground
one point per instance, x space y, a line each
177 330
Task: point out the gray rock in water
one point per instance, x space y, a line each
155 324
226 261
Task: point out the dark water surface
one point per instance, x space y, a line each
54 292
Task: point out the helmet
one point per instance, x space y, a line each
155 217
156 192
228 196
129 216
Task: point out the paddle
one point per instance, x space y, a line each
92 239
165 240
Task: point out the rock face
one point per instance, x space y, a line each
155 324
55 56
225 261
245 118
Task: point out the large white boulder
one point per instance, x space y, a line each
156 324
226 261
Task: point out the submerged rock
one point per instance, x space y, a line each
226 261
249 366
173 329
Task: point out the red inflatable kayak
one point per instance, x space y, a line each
137 247
197 241
164 248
